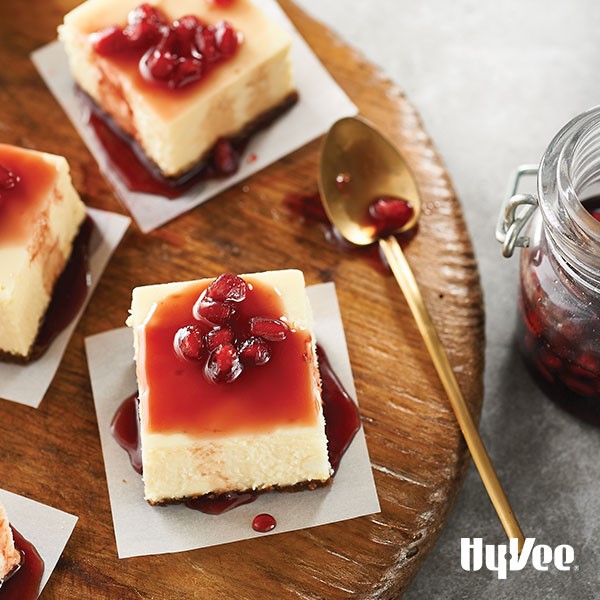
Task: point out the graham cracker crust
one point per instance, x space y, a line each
313 484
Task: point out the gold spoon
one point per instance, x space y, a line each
358 164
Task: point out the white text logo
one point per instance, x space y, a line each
473 555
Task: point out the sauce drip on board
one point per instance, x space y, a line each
309 208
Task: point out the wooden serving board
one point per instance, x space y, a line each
419 459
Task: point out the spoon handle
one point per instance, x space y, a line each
408 284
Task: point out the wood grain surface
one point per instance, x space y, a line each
419 459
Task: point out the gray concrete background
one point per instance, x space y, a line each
493 82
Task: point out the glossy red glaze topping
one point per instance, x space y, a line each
26 181
264 523
221 391
173 55
8 180
222 340
24 582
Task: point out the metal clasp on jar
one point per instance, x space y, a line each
515 212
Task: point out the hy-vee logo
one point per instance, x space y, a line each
502 559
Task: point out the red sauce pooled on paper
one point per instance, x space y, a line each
24 582
180 399
70 291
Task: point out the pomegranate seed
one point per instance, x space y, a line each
185 31
550 359
227 287
186 26
548 375
182 54
589 361
108 41
218 337
146 13
255 351
189 342
142 35
217 313
272 330
187 70
206 43
169 43
223 364
226 38
390 213
225 159
582 387
578 372
158 65
8 179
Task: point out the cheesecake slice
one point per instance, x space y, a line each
180 76
229 386
10 557
40 215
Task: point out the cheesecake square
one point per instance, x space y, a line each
40 216
227 76
229 386
10 557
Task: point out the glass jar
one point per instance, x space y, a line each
559 300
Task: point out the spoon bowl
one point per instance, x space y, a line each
358 165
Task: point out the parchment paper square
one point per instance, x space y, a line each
47 528
141 529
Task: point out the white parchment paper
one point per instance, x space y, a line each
322 102
47 528
28 384
141 529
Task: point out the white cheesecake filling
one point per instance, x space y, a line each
180 466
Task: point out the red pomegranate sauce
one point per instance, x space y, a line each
179 398
25 182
